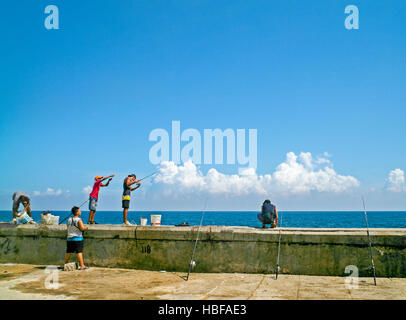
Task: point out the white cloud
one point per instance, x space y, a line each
48 192
396 181
304 174
297 175
188 178
52 192
87 189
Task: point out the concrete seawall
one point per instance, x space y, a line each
220 248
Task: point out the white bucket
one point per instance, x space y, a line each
49 219
155 219
143 221
55 220
45 218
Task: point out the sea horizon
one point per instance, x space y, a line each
299 219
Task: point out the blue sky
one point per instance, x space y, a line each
81 101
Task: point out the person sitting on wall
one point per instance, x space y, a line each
20 197
268 215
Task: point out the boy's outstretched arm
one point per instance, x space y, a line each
108 182
138 185
110 177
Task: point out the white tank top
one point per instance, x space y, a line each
73 227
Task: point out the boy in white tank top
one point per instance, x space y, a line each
75 237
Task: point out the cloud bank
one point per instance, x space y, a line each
48 192
396 181
296 175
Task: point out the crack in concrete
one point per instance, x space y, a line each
211 291
256 288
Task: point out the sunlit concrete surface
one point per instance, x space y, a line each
19 281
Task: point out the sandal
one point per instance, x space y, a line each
84 268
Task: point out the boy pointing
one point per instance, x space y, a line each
94 196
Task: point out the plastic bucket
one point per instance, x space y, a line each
143 221
155 219
49 219
55 220
45 218
24 218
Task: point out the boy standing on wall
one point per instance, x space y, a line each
128 182
94 196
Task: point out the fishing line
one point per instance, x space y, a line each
71 212
369 240
279 250
192 262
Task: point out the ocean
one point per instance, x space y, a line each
299 219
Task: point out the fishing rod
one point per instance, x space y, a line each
71 212
150 175
279 250
192 262
369 240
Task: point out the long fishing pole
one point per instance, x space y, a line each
150 175
71 212
369 240
279 250
192 262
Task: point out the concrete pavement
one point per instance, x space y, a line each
29 282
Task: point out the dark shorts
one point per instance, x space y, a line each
74 246
126 204
267 221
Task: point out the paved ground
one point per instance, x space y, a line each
29 282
